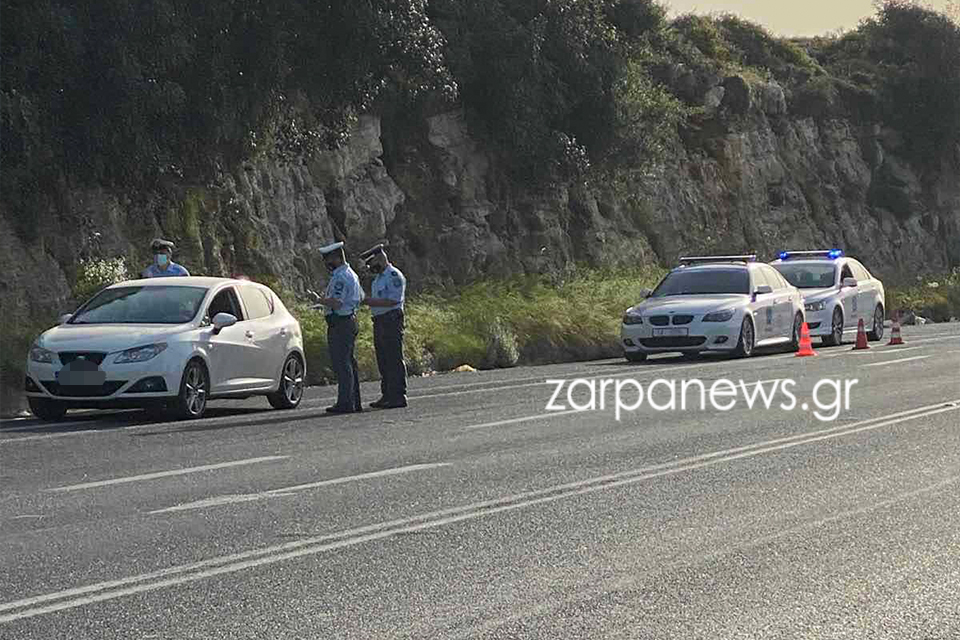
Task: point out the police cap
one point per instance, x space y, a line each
373 251
159 244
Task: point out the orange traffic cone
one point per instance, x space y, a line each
806 347
895 338
861 337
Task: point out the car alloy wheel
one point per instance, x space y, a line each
836 329
745 345
290 391
797 328
194 389
876 333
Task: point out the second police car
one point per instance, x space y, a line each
837 292
730 304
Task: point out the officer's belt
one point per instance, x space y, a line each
334 318
388 314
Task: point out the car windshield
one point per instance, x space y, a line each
704 282
142 305
808 276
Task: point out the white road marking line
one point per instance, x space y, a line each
317 544
872 350
165 474
886 362
288 491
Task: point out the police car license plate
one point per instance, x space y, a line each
662 333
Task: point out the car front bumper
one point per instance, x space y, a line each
127 385
700 337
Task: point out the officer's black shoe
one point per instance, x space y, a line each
399 403
336 409
378 404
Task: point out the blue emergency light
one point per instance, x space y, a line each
832 254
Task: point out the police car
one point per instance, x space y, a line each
728 304
837 292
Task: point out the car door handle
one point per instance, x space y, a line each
283 331
249 334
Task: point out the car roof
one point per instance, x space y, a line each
183 281
813 261
713 266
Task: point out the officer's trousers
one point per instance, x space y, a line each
341 342
388 342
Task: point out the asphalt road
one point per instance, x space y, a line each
477 513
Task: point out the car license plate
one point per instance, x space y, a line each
81 374
660 333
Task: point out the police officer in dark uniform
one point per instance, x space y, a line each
341 299
386 306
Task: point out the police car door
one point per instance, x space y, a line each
765 308
867 294
850 299
783 301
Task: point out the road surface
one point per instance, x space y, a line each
478 513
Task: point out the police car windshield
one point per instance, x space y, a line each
704 282
808 276
142 305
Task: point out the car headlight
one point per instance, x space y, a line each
140 354
719 316
39 354
631 318
814 306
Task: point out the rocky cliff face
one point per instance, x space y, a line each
752 177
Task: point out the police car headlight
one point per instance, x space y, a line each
631 318
814 306
39 354
719 316
140 354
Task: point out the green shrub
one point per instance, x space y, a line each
936 298
95 274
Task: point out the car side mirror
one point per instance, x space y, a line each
223 320
65 317
849 282
763 289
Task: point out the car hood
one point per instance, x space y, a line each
690 304
106 337
811 295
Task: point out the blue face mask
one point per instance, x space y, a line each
162 260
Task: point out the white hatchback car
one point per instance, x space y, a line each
727 304
837 292
173 343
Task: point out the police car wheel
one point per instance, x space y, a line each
290 391
635 356
747 338
47 410
876 333
836 329
797 328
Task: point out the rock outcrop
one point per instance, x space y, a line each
751 176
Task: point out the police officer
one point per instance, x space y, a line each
386 307
341 299
163 265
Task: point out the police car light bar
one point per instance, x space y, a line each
691 259
832 254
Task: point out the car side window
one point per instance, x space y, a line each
225 302
773 278
760 277
846 272
859 272
257 303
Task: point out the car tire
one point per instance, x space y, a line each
290 390
746 341
635 356
191 402
836 329
876 333
797 328
47 410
